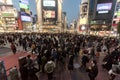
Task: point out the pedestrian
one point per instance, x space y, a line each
93 70
33 47
44 61
70 64
24 72
32 74
39 61
30 63
13 48
49 68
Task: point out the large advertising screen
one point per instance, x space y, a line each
49 14
24 1
104 6
104 9
49 3
26 18
24 6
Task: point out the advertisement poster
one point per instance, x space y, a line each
3 75
104 9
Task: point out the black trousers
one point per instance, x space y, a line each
50 76
92 78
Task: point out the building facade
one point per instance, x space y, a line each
116 16
83 23
64 22
49 14
25 15
8 16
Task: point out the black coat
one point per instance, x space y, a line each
70 64
93 72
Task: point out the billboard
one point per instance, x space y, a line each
104 6
49 3
49 14
25 17
24 1
24 6
104 9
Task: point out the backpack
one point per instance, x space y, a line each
49 68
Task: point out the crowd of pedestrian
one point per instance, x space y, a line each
53 50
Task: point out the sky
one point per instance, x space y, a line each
71 7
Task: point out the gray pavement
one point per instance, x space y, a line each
6 50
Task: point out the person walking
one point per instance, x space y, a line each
93 70
49 68
70 64
13 48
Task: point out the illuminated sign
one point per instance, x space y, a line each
104 6
24 14
7 14
104 10
100 12
50 3
24 1
26 18
23 6
49 14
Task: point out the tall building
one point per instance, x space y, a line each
64 22
83 18
49 15
116 16
96 15
25 15
102 16
8 16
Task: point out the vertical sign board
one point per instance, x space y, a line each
20 26
3 75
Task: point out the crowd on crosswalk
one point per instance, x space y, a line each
53 50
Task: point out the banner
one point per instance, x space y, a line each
3 75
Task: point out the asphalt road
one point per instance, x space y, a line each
4 51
